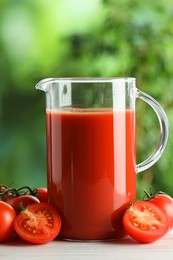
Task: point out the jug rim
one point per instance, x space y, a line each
86 79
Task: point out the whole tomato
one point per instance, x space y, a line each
7 216
163 201
42 194
23 201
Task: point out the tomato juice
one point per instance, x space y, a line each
91 170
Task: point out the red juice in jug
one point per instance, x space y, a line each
91 170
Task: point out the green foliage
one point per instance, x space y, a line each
64 38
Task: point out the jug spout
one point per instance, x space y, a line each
58 92
43 84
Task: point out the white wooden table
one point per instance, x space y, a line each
62 250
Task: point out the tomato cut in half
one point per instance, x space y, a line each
145 222
39 223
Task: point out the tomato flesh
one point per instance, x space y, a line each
39 223
145 222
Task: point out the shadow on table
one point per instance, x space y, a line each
16 241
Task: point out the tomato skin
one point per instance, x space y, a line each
38 224
7 216
42 194
165 202
145 222
26 201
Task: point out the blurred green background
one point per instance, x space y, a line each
67 38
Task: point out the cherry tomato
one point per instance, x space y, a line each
145 222
39 223
3 188
165 202
42 194
4 193
23 201
7 216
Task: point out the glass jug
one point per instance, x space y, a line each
91 152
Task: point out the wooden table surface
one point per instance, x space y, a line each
126 248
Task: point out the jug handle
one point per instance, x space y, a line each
164 128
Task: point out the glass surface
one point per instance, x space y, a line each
91 152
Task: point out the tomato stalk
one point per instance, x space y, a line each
22 208
8 192
148 195
151 195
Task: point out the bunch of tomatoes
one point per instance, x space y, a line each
27 212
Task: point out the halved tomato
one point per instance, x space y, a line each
145 222
39 223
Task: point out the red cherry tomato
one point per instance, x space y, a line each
20 202
42 194
7 216
3 188
5 194
145 222
39 223
165 202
